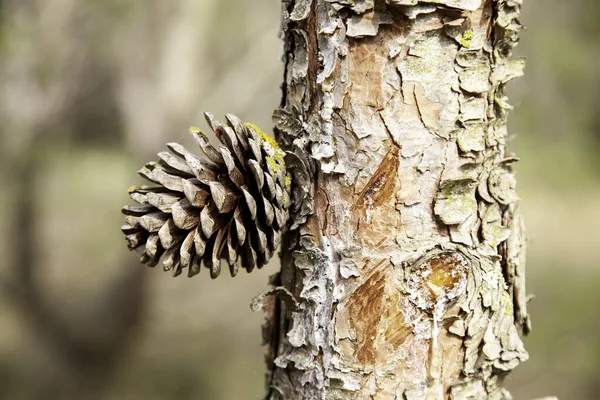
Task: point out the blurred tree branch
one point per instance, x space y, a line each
47 88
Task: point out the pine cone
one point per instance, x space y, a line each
231 203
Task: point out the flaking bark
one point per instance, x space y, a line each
406 261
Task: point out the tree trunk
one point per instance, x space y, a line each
406 259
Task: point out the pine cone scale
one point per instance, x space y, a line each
199 242
169 160
186 252
225 199
154 221
195 193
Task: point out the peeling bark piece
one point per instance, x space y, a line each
471 58
475 79
287 123
458 328
472 108
471 138
301 10
508 71
515 251
416 10
469 5
492 230
455 201
502 186
367 24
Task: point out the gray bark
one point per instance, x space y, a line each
406 258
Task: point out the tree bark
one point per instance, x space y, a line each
406 258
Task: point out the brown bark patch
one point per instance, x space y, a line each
365 308
397 331
382 184
377 318
367 64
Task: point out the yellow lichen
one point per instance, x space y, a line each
506 302
265 137
288 181
271 161
465 41
132 189
194 129
278 153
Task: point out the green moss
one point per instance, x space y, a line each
466 39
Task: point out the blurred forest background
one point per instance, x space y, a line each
91 89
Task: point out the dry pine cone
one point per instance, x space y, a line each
231 203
